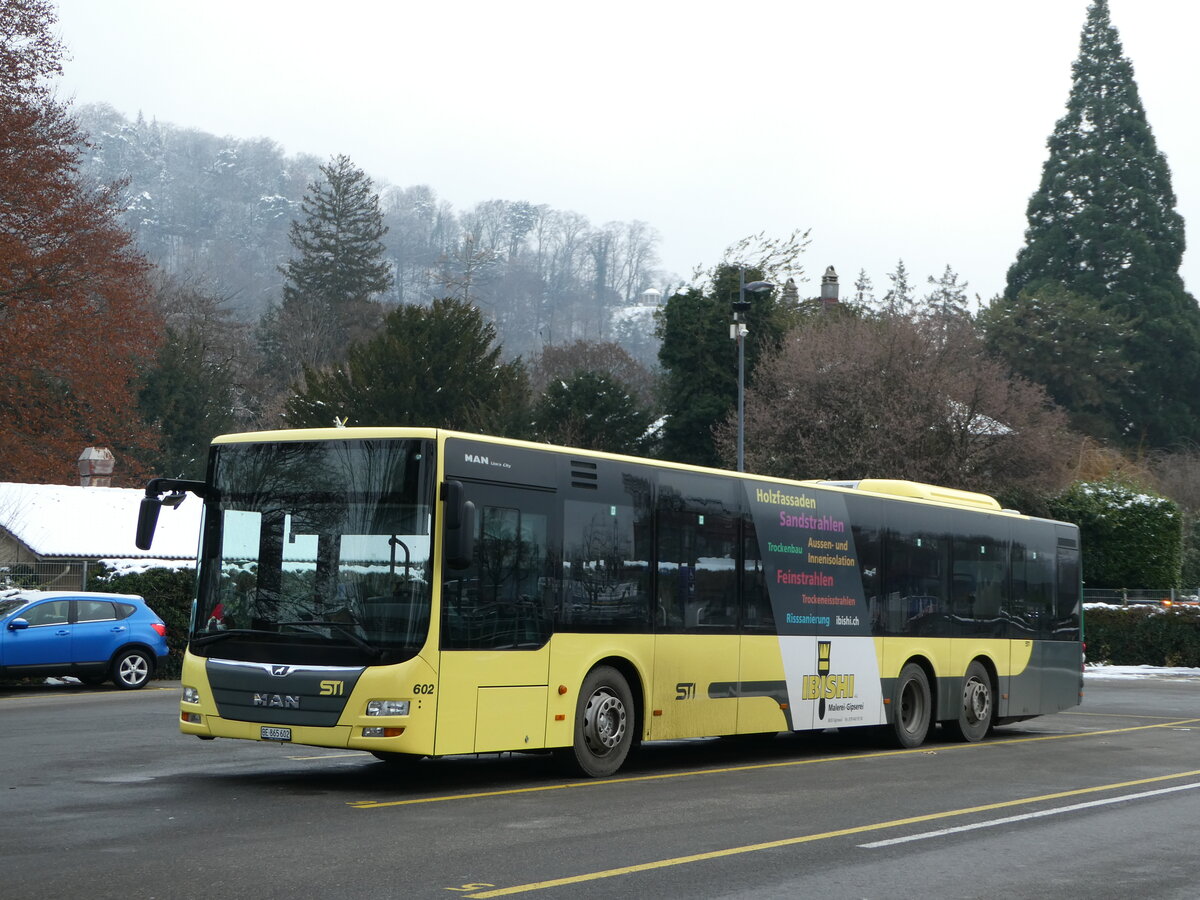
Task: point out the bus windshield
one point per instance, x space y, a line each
317 552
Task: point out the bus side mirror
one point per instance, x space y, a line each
154 501
147 522
458 537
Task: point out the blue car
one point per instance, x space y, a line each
92 636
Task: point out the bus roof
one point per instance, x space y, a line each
886 487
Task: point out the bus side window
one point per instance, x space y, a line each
757 614
915 583
697 555
505 599
1032 586
605 568
979 585
1066 602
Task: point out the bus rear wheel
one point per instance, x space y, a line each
912 706
977 708
604 723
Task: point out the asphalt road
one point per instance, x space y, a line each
101 797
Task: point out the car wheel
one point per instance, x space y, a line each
132 669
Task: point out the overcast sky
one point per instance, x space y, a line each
910 130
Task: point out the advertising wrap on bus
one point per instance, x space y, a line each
812 575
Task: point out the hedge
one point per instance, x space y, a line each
1131 537
169 593
1143 635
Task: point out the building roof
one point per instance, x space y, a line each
58 521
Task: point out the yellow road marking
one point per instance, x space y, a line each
101 691
809 838
1073 712
328 756
597 783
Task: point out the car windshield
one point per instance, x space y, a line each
317 552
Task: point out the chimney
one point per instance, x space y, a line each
829 288
96 467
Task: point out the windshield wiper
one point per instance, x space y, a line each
215 636
313 624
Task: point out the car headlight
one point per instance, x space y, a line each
387 708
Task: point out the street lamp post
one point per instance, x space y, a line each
738 332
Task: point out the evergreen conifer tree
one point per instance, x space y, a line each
899 299
437 366
700 361
1103 225
331 284
594 410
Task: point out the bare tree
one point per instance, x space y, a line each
887 398
636 260
1178 476
777 259
562 361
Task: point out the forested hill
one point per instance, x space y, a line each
218 209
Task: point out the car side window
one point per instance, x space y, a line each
52 612
125 610
93 611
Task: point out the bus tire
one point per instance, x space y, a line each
977 708
912 707
604 723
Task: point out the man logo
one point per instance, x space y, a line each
280 670
277 701
333 688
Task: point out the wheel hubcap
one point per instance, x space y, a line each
977 701
910 707
133 670
603 721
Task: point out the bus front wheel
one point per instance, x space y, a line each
604 723
976 710
911 707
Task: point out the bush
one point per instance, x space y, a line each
1143 635
169 593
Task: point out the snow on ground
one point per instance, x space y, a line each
1175 673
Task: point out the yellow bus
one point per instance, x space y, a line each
420 592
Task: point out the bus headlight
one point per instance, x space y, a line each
190 695
387 708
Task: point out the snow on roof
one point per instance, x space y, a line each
58 520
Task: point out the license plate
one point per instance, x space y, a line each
270 733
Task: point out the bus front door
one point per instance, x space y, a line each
496 620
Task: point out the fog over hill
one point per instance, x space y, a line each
215 211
